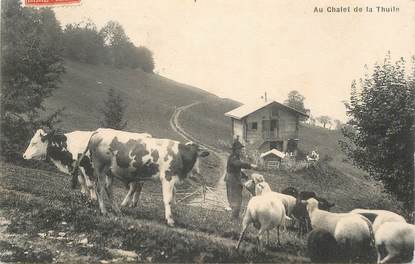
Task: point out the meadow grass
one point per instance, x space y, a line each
38 201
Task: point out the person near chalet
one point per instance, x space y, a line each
234 178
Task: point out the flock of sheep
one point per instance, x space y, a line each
355 236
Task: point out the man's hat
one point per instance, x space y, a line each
237 145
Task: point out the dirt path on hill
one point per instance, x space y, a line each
214 198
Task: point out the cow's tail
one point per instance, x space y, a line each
75 170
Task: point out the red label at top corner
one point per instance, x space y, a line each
50 2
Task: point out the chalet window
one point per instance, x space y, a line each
274 124
254 125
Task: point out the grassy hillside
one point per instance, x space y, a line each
151 98
48 220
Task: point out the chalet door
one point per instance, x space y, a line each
274 128
266 129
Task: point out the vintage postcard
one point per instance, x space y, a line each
218 131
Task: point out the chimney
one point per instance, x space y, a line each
265 98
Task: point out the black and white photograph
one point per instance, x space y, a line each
207 131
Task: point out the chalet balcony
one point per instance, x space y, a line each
270 135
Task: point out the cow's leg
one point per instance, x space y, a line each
87 185
91 187
127 198
108 185
101 172
137 193
81 180
102 194
173 202
168 187
108 188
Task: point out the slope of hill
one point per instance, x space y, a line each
151 99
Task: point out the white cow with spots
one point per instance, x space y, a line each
63 150
134 158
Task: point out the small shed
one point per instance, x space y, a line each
272 158
267 125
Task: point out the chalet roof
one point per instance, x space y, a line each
273 152
248 109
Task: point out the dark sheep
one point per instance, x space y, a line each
300 214
290 191
305 195
322 246
323 204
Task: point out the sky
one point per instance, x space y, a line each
241 48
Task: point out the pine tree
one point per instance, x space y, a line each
113 111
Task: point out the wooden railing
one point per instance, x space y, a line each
270 135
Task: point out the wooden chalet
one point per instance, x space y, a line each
267 125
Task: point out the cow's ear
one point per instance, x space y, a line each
203 153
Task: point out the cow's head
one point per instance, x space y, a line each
189 154
41 143
38 146
195 148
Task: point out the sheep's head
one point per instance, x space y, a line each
257 178
311 204
261 188
250 186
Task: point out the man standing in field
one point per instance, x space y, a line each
234 178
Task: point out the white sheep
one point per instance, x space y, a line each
288 200
395 242
355 237
353 232
257 178
266 212
250 185
378 217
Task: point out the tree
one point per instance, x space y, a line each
31 67
380 132
117 43
312 120
296 101
324 120
113 111
144 58
83 43
121 52
338 124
